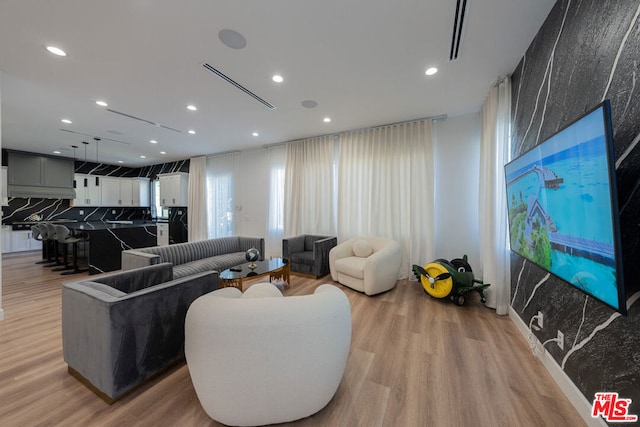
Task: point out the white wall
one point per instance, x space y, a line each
457 163
1 310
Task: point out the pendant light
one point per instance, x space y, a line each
97 143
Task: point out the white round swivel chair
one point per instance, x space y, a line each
260 358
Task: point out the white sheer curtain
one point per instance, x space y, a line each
309 187
385 178
275 221
494 152
221 177
197 212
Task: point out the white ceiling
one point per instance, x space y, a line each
362 61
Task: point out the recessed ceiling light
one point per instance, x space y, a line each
153 141
102 103
431 71
255 134
56 152
143 157
327 119
163 152
192 107
56 50
120 161
191 131
277 78
67 121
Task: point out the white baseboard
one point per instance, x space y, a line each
575 396
1 314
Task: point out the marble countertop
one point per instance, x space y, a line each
104 225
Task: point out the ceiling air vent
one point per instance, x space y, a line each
143 120
458 22
239 86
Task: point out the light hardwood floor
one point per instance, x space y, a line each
414 361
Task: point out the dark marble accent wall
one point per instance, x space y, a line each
123 171
178 227
585 52
20 209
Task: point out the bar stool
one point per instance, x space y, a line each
37 235
64 236
53 239
51 245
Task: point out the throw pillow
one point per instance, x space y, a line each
362 248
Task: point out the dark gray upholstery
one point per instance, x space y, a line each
120 329
308 254
194 257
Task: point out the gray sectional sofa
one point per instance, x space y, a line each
195 257
121 329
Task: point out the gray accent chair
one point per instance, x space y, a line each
122 329
194 257
308 254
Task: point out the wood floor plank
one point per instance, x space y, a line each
414 361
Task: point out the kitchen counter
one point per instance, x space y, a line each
107 240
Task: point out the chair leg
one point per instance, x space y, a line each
75 262
65 264
45 253
52 255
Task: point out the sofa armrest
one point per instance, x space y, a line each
324 245
129 281
321 250
116 342
381 268
343 250
133 259
247 243
292 245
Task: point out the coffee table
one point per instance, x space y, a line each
275 268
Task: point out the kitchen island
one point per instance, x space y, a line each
106 241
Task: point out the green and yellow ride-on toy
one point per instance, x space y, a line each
453 279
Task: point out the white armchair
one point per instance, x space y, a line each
260 358
366 264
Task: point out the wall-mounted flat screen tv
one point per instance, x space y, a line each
563 208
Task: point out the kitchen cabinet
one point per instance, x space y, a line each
6 239
4 197
22 240
32 170
87 190
163 233
110 191
174 189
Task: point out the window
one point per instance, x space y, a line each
221 171
276 201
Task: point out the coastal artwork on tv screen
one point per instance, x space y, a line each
562 207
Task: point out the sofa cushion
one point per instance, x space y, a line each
305 257
362 248
353 266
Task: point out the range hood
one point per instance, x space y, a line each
39 176
27 191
